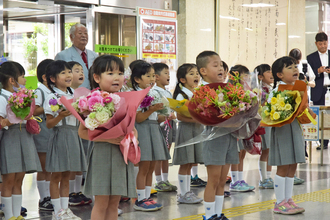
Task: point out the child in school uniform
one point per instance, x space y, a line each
266 78
220 152
41 140
108 176
161 170
18 151
65 152
188 79
151 140
287 144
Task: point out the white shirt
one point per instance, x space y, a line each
274 90
70 120
204 82
325 62
188 93
165 92
153 115
4 102
46 91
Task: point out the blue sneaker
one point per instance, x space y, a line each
247 185
23 211
266 184
298 181
223 217
145 206
213 217
238 187
158 205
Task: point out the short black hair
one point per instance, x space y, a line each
41 69
225 66
279 65
158 67
140 69
133 63
203 58
321 37
261 69
240 69
72 63
296 54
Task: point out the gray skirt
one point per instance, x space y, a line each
18 151
107 172
240 145
65 152
41 140
191 153
151 141
287 145
88 146
221 151
169 134
265 138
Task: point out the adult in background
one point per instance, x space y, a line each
320 61
78 52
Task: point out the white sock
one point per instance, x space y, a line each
209 209
240 175
218 204
263 170
7 207
194 171
47 192
136 171
165 177
183 184
288 187
77 184
71 186
234 176
279 188
56 204
141 194
158 178
148 190
17 204
41 188
269 174
64 202
188 183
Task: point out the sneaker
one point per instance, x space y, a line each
247 185
61 215
120 212
46 205
266 184
295 206
124 199
162 187
189 198
223 217
174 188
226 194
196 182
75 200
1 212
23 210
84 198
71 215
158 205
214 217
228 179
201 181
284 208
145 206
238 187
298 181
153 191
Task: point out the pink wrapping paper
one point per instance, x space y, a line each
16 120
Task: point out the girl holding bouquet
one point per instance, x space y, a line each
188 79
108 176
287 143
18 151
151 140
65 151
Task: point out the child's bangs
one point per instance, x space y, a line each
112 65
289 61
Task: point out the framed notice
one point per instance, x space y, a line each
311 132
157 38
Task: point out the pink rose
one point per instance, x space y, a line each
96 93
115 100
93 101
83 104
105 94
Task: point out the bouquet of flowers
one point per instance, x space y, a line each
179 106
152 98
55 105
147 101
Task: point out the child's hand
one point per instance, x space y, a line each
156 107
172 116
65 113
116 141
5 122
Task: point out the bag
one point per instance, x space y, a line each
32 126
253 144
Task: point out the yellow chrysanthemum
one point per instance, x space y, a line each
278 96
276 115
287 107
273 101
282 104
54 108
266 112
298 99
271 117
273 108
272 112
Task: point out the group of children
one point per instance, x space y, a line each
59 152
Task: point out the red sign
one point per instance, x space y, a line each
157 13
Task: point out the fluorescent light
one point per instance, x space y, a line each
19 9
249 29
280 23
206 29
258 5
325 22
229 17
294 36
233 29
311 32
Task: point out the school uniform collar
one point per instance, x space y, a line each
6 92
159 88
60 92
187 91
44 88
204 82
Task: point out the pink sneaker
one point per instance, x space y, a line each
284 208
295 206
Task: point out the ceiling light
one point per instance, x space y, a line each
294 36
206 29
258 5
229 17
280 24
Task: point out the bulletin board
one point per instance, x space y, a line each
252 32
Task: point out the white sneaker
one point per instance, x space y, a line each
120 212
71 215
189 198
61 215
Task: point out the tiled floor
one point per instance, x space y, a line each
313 195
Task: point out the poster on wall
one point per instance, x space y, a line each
252 32
157 42
311 131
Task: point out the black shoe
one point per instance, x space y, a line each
75 200
46 205
84 198
23 211
201 181
324 148
227 194
222 217
195 182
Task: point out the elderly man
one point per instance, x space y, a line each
78 51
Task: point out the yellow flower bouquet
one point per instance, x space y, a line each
179 106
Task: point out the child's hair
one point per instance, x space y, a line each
240 69
132 64
140 69
20 68
261 69
52 71
182 71
103 64
203 59
225 66
72 63
158 67
278 66
296 54
8 70
41 69
321 37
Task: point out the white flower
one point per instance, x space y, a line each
220 97
91 124
102 117
115 100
